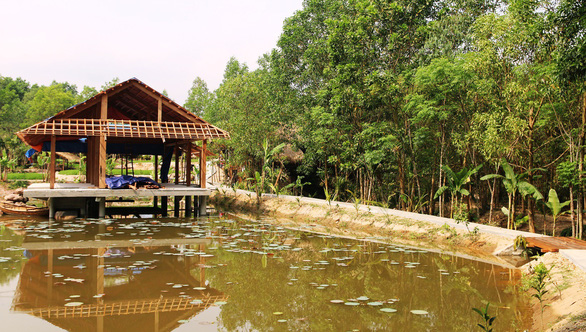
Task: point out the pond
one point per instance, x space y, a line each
230 274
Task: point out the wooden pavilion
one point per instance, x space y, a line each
130 118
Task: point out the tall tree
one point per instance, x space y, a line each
199 97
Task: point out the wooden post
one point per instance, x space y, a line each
101 183
202 164
104 107
102 161
176 163
176 199
160 110
156 170
52 165
89 160
188 207
188 164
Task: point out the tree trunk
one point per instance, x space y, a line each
530 205
572 212
581 170
440 184
511 210
431 207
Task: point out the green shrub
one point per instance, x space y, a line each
19 184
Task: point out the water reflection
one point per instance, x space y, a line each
140 275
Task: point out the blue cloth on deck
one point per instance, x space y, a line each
121 182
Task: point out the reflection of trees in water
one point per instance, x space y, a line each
11 267
256 291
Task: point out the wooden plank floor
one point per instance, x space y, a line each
554 244
41 190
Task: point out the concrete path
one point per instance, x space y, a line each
578 257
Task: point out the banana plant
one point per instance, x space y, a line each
554 204
456 182
514 184
300 184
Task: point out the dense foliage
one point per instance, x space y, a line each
389 100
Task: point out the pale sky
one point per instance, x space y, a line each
165 44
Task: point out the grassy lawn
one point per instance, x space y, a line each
24 176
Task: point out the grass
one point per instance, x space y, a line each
24 176
69 172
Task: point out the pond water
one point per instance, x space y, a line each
224 273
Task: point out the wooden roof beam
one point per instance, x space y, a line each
189 115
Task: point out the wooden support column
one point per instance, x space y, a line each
160 110
188 207
156 170
101 183
203 200
52 165
176 199
202 164
102 162
89 161
176 163
188 164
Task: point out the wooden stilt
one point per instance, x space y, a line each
188 208
203 202
164 206
176 205
101 207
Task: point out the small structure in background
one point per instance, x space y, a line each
132 119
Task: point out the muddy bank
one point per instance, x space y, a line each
565 302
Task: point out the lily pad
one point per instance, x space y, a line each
73 304
388 310
352 303
337 301
374 304
363 298
419 312
277 313
282 321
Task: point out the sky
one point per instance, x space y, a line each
165 44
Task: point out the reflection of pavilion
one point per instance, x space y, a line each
135 280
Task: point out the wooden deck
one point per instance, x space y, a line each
554 244
42 190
